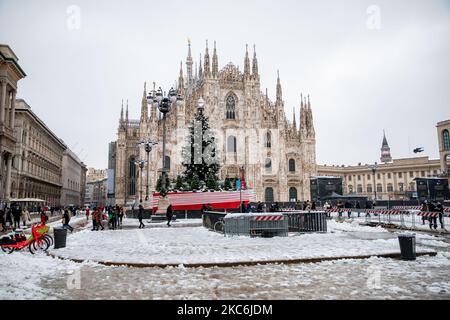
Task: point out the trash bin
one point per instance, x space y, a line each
60 237
407 246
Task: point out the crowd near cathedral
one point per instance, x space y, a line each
254 136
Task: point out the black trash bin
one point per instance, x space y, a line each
60 237
407 246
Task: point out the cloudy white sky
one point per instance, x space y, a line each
361 79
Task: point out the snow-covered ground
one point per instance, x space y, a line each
163 245
412 221
179 222
26 276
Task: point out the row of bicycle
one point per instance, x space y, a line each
39 240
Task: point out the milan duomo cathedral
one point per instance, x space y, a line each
251 131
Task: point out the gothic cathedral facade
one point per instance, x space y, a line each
252 133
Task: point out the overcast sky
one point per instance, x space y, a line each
368 65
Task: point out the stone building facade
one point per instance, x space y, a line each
37 161
393 180
10 74
251 131
443 131
96 187
73 183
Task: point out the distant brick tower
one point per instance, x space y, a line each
385 150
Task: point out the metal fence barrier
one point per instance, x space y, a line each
405 219
211 220
256 224
306 221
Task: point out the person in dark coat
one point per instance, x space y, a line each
66 220
249 208
141 216
259 207
440 209
16 212
433 220
169 214
424 209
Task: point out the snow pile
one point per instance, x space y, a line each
198 245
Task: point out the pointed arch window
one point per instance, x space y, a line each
268 140
231 144
292 194
268 194
132 177
446 140
268 165
291 165
231 104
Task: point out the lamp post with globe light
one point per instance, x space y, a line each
140 164
148 146
164 104
374 168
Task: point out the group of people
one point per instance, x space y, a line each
433 206
13 216
169 215
113 214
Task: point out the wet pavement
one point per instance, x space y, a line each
374 278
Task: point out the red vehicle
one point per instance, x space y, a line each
39 240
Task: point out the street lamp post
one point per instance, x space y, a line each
164 105
374 168
141 164
148 145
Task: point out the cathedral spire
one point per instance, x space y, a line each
294 122
215 63
121 113
311 131
279 91
207 67
196 72
126 113
200 71
181 80
246 64
153 107
144 105
255 74
189 63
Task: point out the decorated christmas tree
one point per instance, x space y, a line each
200 155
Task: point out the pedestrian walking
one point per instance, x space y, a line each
440 209
88 211
2 216
141 216
259 207
424 209
432 220
66 220
43 217
249 208
16 212
169 214
121 214
25 216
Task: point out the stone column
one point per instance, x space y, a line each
13 110
2 101
8 177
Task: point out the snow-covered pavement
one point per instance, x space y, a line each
25 276
198 245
